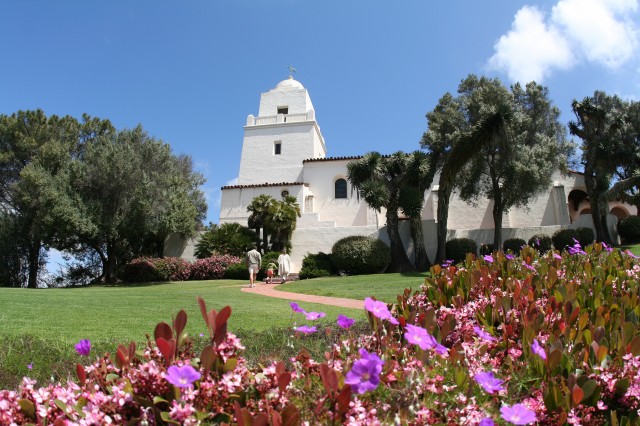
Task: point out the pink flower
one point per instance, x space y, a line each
345 322
483 334
182 377
296 308
365 373
312 316
488 258
488 382
83 347
379 310
305 329
518 414
538 350
419 336
487 421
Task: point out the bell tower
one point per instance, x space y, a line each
284 133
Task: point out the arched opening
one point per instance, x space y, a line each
585 211
619 212
575 198
341 188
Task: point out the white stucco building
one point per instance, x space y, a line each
286 136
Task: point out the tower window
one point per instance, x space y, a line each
341 188
277 148
283 110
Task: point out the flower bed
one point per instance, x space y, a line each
544 338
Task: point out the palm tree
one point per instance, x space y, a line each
259 208
379 180
281 220
418 177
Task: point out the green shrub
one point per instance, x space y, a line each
228 238
357 255
563 238
316 265
629 229
513 245
458 248
486 249
541 242
585 236
237 271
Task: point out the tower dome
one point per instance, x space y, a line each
290 83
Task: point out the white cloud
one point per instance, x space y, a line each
531 49
598 31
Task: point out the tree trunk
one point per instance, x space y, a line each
497 226
34 265
399 260
421 259
265 240
599 219
443 216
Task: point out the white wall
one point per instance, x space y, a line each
234 200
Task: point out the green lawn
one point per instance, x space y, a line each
41 327
635 248
384 287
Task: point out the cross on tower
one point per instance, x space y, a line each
291 70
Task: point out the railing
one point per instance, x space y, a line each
280 118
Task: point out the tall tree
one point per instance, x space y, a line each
520 141
419 174
281 221
35 152
379 180
600 124
259 209
133 192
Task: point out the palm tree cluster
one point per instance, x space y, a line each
276 218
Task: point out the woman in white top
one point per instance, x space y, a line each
284 265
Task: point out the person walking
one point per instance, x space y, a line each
253 260
284 265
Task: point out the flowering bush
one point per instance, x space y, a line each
212 268
549 338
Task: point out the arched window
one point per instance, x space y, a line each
341 188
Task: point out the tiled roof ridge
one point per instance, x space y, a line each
351 157
261 185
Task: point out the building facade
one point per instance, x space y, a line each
284 153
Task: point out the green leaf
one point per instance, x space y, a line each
27 408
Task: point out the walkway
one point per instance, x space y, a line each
269 291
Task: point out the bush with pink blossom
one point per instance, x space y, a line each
540 338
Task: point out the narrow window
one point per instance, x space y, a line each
283 110
277 148
341 188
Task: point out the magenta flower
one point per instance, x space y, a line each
83 347
488 258
30 366
557 256
345 322
483 334
421 337
365 373
538 350
576 249
628 252
379 310
526 265
518 414
488 382
509 257
182 377
312 316
487 421
305 329
296 308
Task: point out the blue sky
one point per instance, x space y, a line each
191 71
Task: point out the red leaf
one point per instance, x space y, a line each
82 375
132 350
167 348
576 395
207 358
221 324
344 398
283 381
276 419
122 358
180 322
203 311
329 379
290 416
260 419
280 368
240 414
163 330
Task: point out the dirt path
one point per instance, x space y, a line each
269 291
